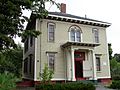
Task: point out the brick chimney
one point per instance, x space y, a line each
63 8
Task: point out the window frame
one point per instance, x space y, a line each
54 57
48 25
98 63
76 29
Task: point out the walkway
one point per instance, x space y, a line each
101 87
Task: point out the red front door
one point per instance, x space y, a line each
79 58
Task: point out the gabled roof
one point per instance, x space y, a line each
76 19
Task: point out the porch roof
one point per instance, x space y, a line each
79 44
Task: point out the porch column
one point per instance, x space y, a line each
73 66
94 66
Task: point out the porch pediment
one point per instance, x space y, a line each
67 44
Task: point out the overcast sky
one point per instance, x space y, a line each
103 10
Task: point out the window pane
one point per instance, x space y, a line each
51 32
78 37
72 35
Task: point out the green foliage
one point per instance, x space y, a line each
47 74
115 69
110 51
115 84
11 60
117 57
12 19
116 77
66 86
7 81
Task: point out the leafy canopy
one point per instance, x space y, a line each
11 61
12 19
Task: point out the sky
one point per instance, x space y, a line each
102 10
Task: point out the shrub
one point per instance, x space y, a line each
7 81
116 77
115 84
47 74
66 86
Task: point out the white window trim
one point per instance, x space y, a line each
48 58
96 63
50 23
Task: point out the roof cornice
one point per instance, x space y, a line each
76 19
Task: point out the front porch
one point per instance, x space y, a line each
80 61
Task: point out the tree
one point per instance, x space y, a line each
12 19
11 61
117 57
110 51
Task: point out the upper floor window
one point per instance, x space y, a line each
96 35
31 41
51 32
26 45
75 34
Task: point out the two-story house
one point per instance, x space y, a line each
74 47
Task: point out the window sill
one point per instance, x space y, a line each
98 71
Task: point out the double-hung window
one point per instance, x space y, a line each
51 61
96 35
98 66
51 32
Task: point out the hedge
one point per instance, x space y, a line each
66 86
115 84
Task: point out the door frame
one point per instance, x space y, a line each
80 60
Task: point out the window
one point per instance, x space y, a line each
26 45
31 41
72 35
75 34
98 67
51 61
26 65
96 35
51 32
78 37
30 63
